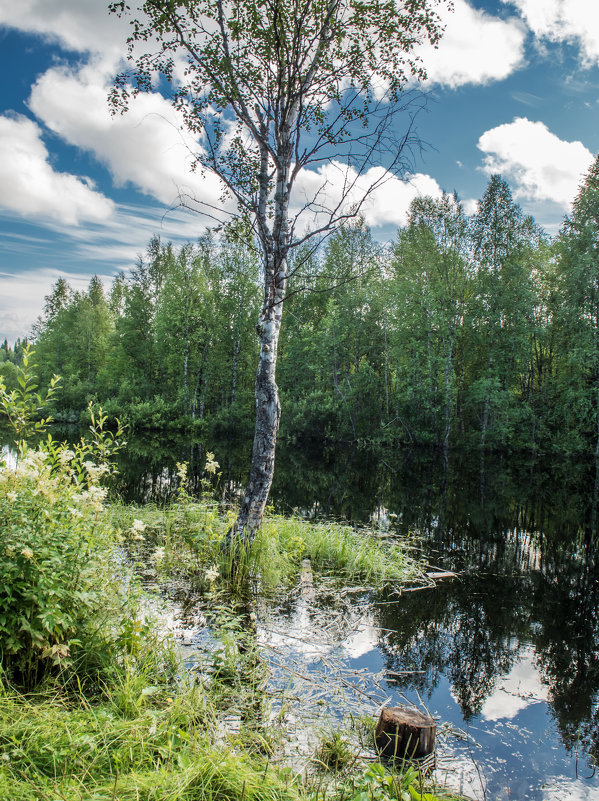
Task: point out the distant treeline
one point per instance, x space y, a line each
469 331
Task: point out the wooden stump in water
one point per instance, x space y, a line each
404 733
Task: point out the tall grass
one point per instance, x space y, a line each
55 748
191 538
342 550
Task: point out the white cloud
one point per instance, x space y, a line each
147 147
574 21
476 48
22 297
104 248
470 205
540 165
29 184
519 689
387 203
80 25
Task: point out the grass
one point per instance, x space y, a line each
107 712
335 751
147 731
342 550
65 748
57 747
191 536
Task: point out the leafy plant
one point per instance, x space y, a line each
378 785
55 544
24 406
334 751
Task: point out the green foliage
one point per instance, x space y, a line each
471 332
378 785
24 404
190 536
55 571
51 572
334 751
54 747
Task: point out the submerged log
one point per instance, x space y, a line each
404 733
444 574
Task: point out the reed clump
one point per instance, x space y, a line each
190 538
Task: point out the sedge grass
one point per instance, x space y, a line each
59 747
191 537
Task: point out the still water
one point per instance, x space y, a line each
505 657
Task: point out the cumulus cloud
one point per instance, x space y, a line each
476 48
540 165
147 147
30 185
79 25
104 248
382 198
574 21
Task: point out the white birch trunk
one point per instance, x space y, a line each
268 409
268 414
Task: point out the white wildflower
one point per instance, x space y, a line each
212 573
65 456
158 554
211 465
95 471
27 553
12 496
182 471
136 529
94 496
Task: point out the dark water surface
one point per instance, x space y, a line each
507 654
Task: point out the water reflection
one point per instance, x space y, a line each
510 650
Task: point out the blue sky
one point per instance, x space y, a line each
513 88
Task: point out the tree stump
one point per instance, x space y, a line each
404 733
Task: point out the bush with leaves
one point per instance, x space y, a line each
55 544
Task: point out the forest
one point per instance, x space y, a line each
464 331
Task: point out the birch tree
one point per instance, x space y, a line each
277 92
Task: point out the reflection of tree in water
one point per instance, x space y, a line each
515 587
467 632
567 644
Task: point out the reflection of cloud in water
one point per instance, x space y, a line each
311 633
363 640
307 635
299 635
562 788
520 688
460 773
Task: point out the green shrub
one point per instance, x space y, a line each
54 546
56 574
